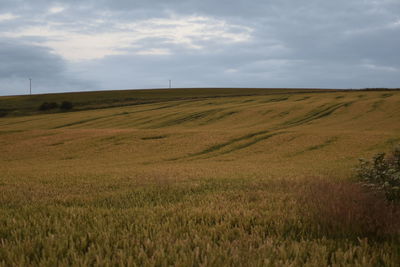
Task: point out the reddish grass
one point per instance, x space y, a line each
348 210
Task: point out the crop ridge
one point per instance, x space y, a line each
318 113
194 116
323 111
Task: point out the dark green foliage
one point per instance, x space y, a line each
66 105
48 106
382 173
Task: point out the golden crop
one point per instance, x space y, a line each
209 180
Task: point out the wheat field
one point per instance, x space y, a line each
196 178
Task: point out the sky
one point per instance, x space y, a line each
90 45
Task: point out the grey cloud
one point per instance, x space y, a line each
19 62
345 44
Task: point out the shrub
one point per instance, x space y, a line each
66 105
47 106
382 173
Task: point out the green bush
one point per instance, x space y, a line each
382 173
66 105
47 106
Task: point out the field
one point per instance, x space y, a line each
244 177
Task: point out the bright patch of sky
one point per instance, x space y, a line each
7 16
123 38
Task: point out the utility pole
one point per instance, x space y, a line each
30 86
169 84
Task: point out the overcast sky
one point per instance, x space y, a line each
80 45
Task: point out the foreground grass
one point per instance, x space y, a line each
207 222
238 180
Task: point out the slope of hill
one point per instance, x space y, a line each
28 104
186 177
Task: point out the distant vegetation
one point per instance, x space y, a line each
48 106
28 104
64 106
12 106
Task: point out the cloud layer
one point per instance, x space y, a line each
94 45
